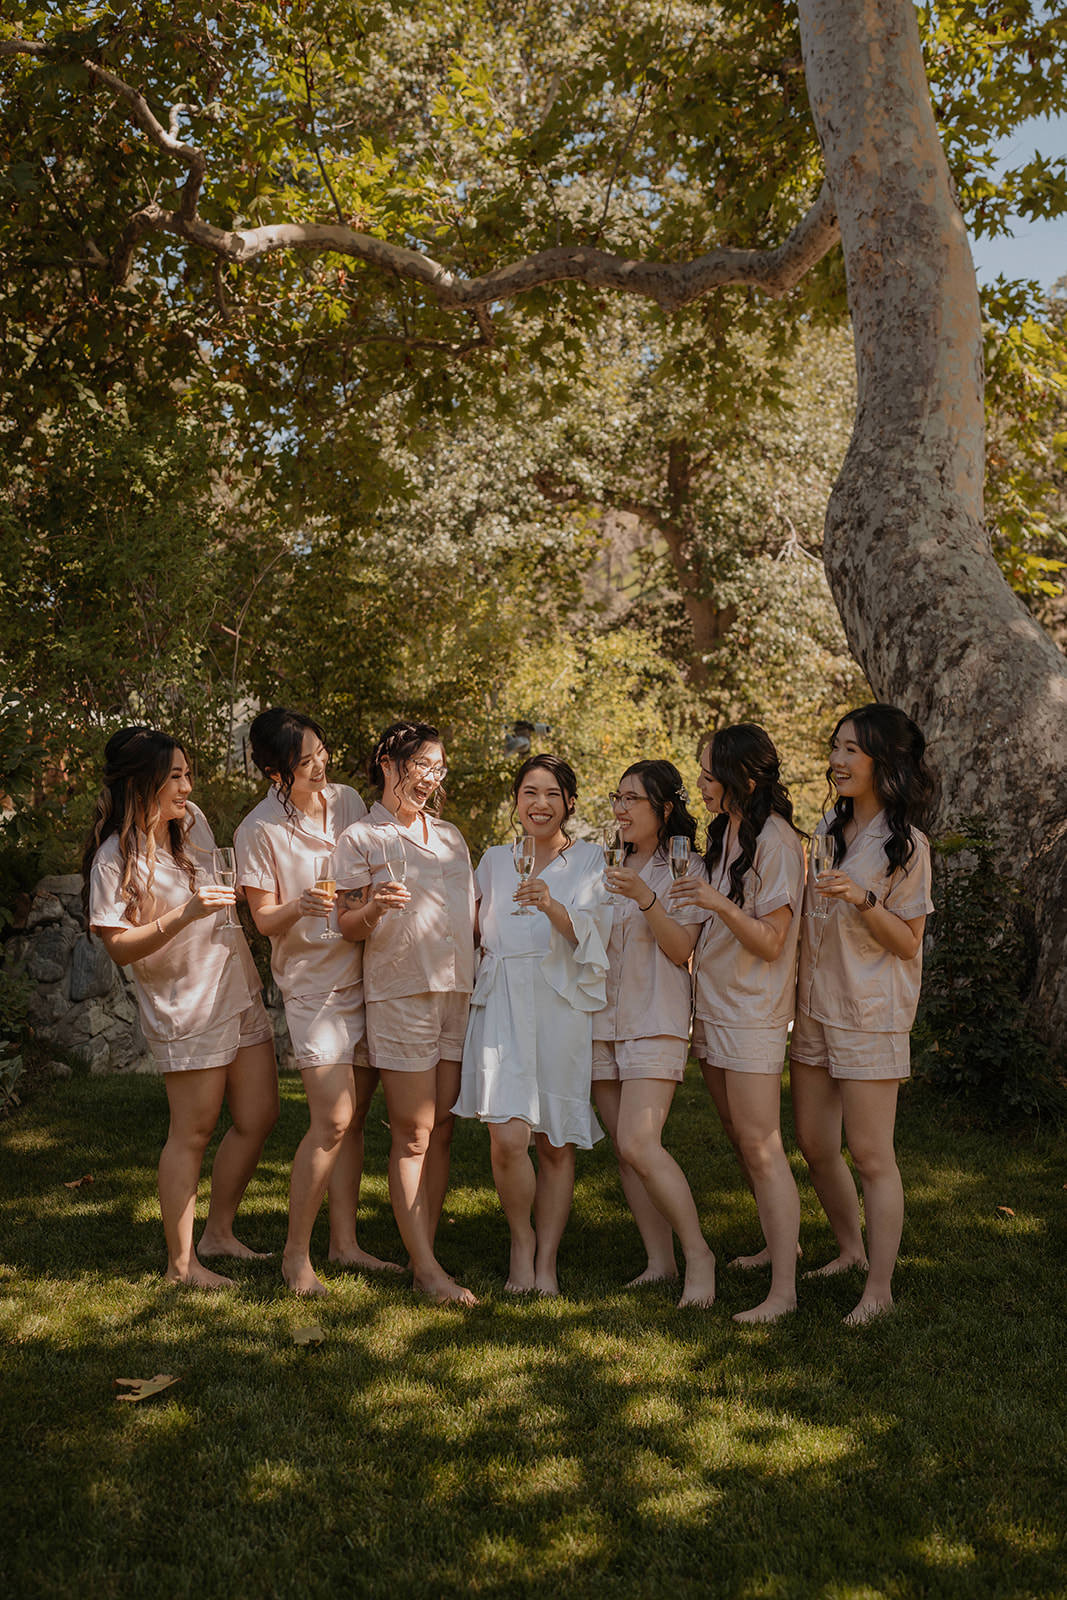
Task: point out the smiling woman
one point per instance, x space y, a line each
528 1057
404 879
154 903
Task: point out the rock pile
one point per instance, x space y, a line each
85 1006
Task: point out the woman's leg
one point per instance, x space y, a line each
411 1100
552 1207
516 1184
252 1096
818 1118
195 1100
331 1101
439 1154
345 1180
870 1110
754 1101
656 1233
643 1107
715 1081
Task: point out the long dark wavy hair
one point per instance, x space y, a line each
902 780
663 784
399 742
277 739
137 763
564 775
743 759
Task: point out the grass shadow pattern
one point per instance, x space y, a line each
603 1444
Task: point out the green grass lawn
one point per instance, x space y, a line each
603 1444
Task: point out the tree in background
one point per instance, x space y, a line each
660 154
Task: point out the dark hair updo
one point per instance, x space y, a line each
399 743
663 784
557 768
744 761
277 740
902 780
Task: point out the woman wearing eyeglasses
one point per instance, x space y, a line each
406 889
641 1038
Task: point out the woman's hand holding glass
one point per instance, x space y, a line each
319 901
393 896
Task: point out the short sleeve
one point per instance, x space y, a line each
780 880
106 905
256 867
350 864
909 891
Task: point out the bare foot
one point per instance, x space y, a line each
866 1311
301 1278
699 1287
547 1284
198 1276
353 1256
762 1258
442 1289
840 1263
768 1310
522 1276
653 1274
227 1244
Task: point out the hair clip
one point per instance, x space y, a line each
683 794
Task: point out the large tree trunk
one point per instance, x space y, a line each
926 611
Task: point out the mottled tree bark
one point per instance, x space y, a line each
925 609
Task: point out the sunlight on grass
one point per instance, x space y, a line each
602 1443
939 1551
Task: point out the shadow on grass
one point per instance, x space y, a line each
602 1444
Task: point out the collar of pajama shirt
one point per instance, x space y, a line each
648 996
847 978
201 976
431 949
731 986
277 851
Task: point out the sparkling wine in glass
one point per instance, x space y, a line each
396 863
325 881
614 851
679 856
224 866
822 860
523 855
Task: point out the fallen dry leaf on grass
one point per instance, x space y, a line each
312 1334
1006 1211
76 1183
144 1388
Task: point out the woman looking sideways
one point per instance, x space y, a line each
528 1055
860 970
744 977
151 899
278 847
415 912
641 1038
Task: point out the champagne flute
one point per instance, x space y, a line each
679 851
522 852
821 852
224 865
396 863
327 884
614 851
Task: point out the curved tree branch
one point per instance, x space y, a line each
671 285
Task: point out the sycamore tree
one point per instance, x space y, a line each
341 202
